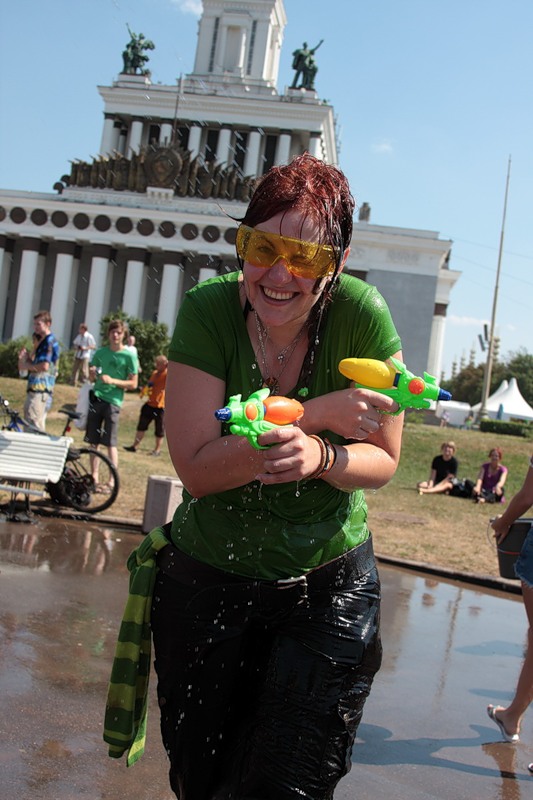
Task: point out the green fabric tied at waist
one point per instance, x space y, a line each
127 697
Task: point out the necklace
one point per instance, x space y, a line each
283 357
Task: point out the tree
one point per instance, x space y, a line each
467 385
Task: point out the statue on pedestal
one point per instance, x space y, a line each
133 56
304 64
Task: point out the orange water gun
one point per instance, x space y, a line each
258 414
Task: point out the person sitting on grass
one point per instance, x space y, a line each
491 479
443 471
154 408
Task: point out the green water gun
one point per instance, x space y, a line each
259 414
393 379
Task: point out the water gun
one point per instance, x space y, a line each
258 414
392 378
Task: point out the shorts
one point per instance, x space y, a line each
36 407
261 684
524 563
149 413
102 422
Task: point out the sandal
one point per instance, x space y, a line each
508 737
103 488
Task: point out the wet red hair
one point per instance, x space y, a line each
309 185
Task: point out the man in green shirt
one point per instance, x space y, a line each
113 371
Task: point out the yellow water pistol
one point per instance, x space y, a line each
393 379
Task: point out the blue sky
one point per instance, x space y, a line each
431 99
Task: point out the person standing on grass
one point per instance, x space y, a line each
113 371
153 409
41 368
509 719
84 344
443 471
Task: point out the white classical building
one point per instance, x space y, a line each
156 211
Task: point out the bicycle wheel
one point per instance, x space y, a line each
78 489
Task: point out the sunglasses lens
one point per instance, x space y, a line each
305 259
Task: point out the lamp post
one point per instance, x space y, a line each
490 353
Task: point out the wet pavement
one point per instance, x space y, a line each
450 649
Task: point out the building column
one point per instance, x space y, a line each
195 134
62 290
131 301
436 341
283 150
22 321
135 137
165 134
224 140
121 140
4 282
109 137
315 144
251 162
96 294
170 290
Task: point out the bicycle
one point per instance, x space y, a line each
77 487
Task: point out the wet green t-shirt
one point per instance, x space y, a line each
280 531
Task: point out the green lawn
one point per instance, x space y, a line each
435 529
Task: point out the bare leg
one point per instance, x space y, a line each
158 444
511 716
112 452
443 486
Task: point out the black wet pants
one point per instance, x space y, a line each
261 684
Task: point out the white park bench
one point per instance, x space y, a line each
29 458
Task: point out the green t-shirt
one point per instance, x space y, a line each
118 364
280 531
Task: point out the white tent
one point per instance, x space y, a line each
457 412
507 400
504 385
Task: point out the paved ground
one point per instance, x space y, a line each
450 649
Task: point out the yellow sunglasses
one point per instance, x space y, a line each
305 259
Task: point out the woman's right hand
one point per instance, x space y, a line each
500 530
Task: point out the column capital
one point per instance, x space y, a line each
135 254
29 243
102 251
66 248
172 258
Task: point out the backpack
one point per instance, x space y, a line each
462 488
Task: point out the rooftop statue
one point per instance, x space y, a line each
134 56
304 64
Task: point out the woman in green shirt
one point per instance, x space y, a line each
265 615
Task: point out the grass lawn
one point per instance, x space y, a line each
435 529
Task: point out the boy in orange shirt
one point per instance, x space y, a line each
154 408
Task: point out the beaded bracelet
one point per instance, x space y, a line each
328 457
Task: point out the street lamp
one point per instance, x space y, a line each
490 353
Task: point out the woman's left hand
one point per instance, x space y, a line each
291 456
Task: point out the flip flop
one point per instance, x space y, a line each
508 737
102 488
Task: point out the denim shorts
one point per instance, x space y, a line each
524 563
